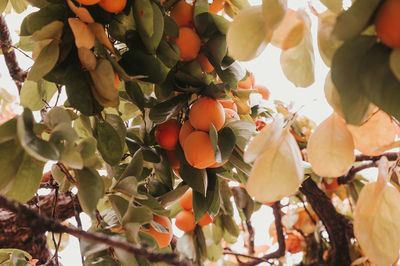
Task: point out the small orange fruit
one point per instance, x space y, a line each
182 13
205 220
387 23
228 103
263 91
163 239
167 133
189 43
113 6
216 6
186 201
186 129
260 124
185 221
248 83
198 150
205 111
293 243
216 165
174 163
116 80
88 2
204 63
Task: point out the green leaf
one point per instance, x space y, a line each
226 143
151 43
217 48
394 62
56 116
243 131
37 20
230 226
136 94
345 65
127 186
90 190
119 205
8 130
136 62
378 81
121 24
52 30
143 14
209 203
208 24
168 52
161 112
137 214
173 195
154 205
109 143
12 154
36 147
274 11
35 95
354 20
171 29
135 166
45 62
27 180
214 143
247 34
232 74
125 258
3 5
335 6
298 63
164 171
19 5
225 195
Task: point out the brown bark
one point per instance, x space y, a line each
18 233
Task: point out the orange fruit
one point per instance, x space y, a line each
387 23
204 63
215 165
293 243
248 83
263 91
163 239
167 134
228 103
189 43
186 201
113 6
88 2
230 114
260 124
198 150
186 129
116 80
205 220
174 163
46 177
182 13
216 6
185 221
205 111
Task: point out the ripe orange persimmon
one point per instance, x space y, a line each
260 124
186 201
185 221
189 43
248 83
116 80
46 177
88 2
228 103
293 243
230 114
205 220
215 165
263 91
387 23
216 6
182 13
198 150
113 6
204 63
172 160
186 129
167 134
163 239
205 111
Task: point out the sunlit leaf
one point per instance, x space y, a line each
35 95
274 11
45 62
327 44
290 31
330 149
84 37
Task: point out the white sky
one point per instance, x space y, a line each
267 71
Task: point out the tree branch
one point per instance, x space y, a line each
339 228
391 156
349 177
16 73
42 223
251 237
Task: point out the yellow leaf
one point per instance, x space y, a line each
248 34
81 12
330 149
274 11
277 172
84 37
100 34
378 131
327 45
332 95
377 223
290 31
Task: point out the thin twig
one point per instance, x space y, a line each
349 177
251 237
42 223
